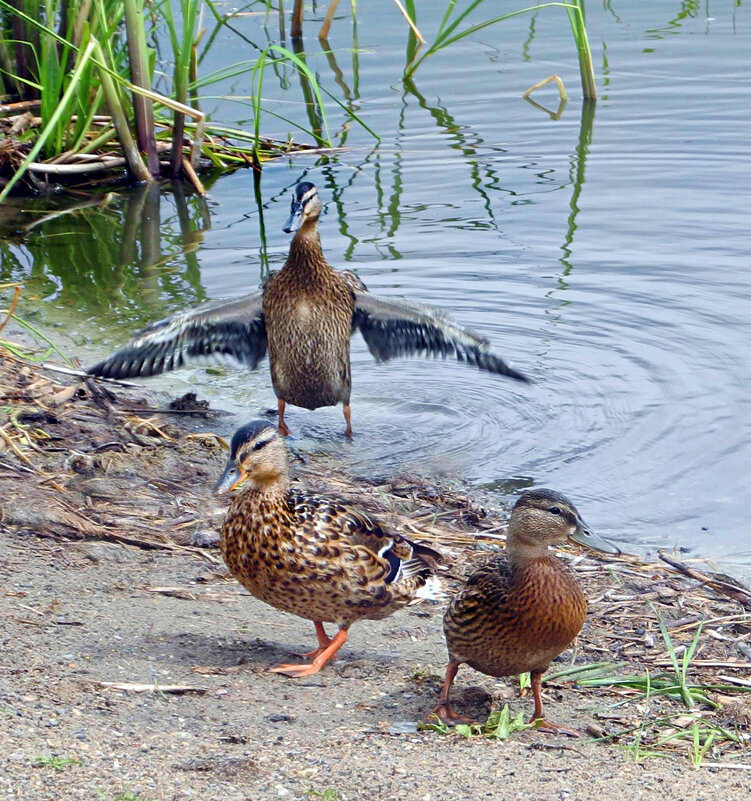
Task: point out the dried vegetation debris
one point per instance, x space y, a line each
76 461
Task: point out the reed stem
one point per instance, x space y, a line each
139 74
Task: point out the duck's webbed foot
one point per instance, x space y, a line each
446 715
323 658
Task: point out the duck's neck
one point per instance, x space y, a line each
522 547
521 554
260 494
305 253
271 481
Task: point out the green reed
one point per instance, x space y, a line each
450 31
87 67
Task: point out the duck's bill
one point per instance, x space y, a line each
294 220
230 479
585 536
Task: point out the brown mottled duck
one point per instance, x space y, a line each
521 609
309 555
305 314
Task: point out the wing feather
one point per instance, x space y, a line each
361 544
232 328
393 328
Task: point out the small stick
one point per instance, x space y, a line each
193 178
11 308
23 105
134 687
12 445
739 594
558 82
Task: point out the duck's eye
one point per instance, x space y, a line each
260 444
554 510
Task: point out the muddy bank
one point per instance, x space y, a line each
132 665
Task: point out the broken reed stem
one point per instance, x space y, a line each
12 306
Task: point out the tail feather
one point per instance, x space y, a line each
434 589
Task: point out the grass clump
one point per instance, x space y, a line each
55 762
329 794
80 104
499 726
674 713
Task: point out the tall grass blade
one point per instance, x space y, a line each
448 35
119 118
584 53
47 131
308 73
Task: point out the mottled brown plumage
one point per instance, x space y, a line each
308 310
305 314
520 610
309 555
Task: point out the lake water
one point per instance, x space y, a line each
605 252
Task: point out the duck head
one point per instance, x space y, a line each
258 455
543 517
306 207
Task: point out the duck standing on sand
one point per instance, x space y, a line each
309 555
305 315
521 609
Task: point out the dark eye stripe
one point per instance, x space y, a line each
260 444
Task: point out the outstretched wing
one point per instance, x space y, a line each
233 328
394 328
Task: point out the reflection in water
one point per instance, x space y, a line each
313 109
482 176
138 246
576 177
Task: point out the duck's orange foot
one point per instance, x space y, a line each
447 715
296 671
325 655
324 641
312 654
553 728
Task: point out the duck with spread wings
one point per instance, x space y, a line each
304 316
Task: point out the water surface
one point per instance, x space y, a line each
605 252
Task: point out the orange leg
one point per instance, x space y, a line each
323 643
348 419
546 725
297 671
442 709
283 430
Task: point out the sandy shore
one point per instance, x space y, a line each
133 667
